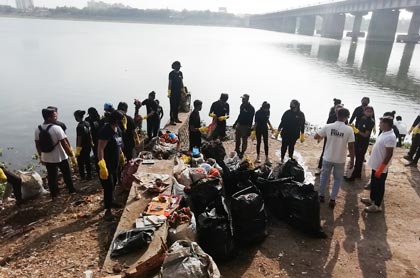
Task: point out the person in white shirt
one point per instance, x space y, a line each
58 156
402 128
380 160
340 137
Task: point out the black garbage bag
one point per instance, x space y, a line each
292 169
214 231
213 149
131 240
235 180
202 193
248 215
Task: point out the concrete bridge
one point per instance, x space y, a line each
382 27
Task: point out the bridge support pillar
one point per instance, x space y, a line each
289 25
383 25
333 26
413 30
307 25
355 33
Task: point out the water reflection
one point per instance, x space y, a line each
329 52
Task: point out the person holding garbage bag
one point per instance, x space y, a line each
110 157
219 111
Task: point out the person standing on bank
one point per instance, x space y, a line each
152 116
262 123
380 160
128 129
358 113
415 139
83 145
13 181
195 126
243 125
291 128
110 154
175 88
340 137
362 133
54 151
219 111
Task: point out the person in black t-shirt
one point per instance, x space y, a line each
93 119
358 113
262 123
175 88
159 112
195 125
292 124
128 131
415 141
152 116
362 131
83 145
219 111
110 147
243 125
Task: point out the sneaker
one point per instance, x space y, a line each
322 199
108 216
258 160
366 201
367 186
407 157
268 162
350 179
178 121
412 163
317 172
331 204
172 123
373 208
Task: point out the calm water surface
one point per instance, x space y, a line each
74 65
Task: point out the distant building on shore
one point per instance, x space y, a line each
100 5
222 10
24 4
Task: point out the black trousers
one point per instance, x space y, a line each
415 144
288 142
83 160
153 127
360 149
322 154
377 189
52 171
264 135
195 140
174 103
108 186
16 183
220 130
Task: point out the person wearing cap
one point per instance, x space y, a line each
415 139
362 133
94 122
108 109
83 145
358 113
291 128
152 116
340 138
380 160
110 152
243 125
128 131
58 157
332 117
175 88
262 123
219 111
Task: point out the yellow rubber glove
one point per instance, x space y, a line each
122 159
355 130
136 139
411 129
277 133
212 115
203 129
169 92
78 150
3 177
222 118
302 137
103 171
145 117
73 157
253 135
374 130
124 123
271 128
416 130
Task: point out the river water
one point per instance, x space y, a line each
75 64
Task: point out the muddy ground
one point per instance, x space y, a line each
67 237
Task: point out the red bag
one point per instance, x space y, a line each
129 169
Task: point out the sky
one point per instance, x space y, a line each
234 6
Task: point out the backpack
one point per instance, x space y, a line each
46 143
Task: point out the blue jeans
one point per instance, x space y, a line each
338 173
